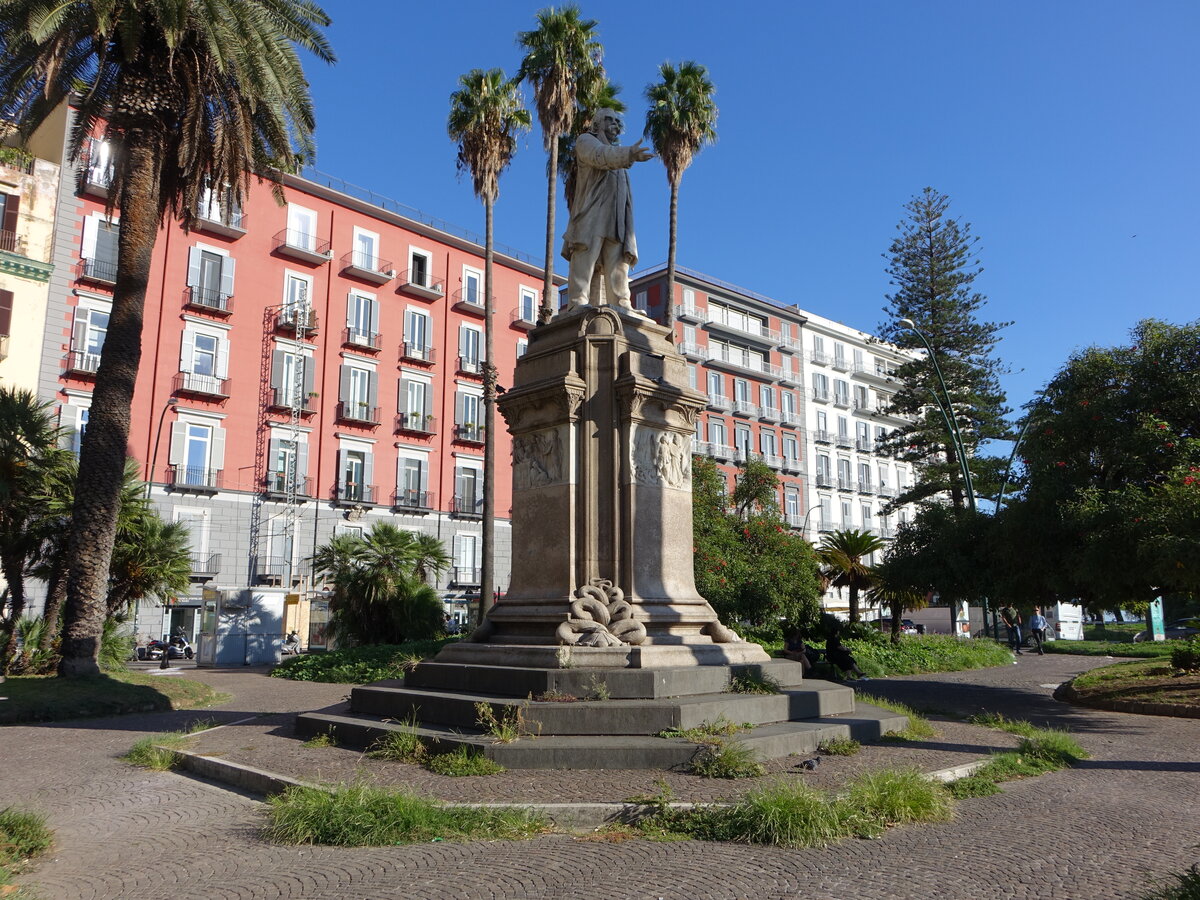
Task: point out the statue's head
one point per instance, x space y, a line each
607 123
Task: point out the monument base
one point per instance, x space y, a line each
644 656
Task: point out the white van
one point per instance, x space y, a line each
1064 621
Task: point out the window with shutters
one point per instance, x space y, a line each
354 473
469 342
466 555
362 320
845 482
787 402
10 241
841 393
716 386
863 438
743 441
358 400
791 508
825 515
864 477
468 496
302 228
412 483
522 347
87 337
99 250
287 461
210 279
415 405
418 341
220 207
791 449
717 435
204 362
468 417
6 311
297 303
767 443
366 250
99 164
197 455
861 397
74 419
286 388
528 306
820 386
472 287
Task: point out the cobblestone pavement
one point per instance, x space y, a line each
1104 830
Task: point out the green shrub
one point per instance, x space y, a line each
324 739
1142 649
358 665
1187 656
399 746
462 762
361 816
115 645
920 654
752 681
781 815
22 835
1186 887
1054 746
726 759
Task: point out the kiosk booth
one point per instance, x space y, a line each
241 626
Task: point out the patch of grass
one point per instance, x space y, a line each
1185 887
839 747
23 836
977 784
462 762
324 739
362 816
1041 750
751 681
554 696
706 732
1113 632
400 746
359 665
1147 681
1141 649
1000 723
919 728
918 654
509 726
598 689
1054 746
726 759
886 797
158 751
48 698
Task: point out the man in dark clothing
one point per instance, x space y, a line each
1012 621
839 655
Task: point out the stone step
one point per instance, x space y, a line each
604 717
620 684
771 741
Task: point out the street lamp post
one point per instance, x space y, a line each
171 401
946 407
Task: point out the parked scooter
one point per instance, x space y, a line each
177 647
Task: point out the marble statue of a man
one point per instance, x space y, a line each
601 225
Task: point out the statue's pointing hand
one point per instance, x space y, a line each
638 153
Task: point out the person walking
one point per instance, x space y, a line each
1037 628
1012 621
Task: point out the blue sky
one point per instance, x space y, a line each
1066 133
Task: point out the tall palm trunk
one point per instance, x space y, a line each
487 570
102 454
13 566
56 593
547 310
853 602
669 312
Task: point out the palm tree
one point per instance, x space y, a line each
561 54
896 596
190 94
28 447
152 560
682 118
843 554
431 559
486 115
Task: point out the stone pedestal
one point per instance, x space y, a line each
602 420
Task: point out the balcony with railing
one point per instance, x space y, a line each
692 350
820 396
209 300
362 340
819 357
416 423
886 490
768 413
11 242
775 462
824 480
293 319
863 406
229 221
864 445
468 433
689 312
841 364
841 401
821 436
523 320
276 485
201 385
789 376
846 484
193 479
281 400
790 344
465 575
97 271
303 246
367 268
758 334
886 532
413 501
421 284
358 411
720 355
81 362
864 487
469 506
470 365
3 347
205 566
792 418
720 403
744 408
469 300
793 465
411 351
844 441
353 493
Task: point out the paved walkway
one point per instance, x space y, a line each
1103 830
